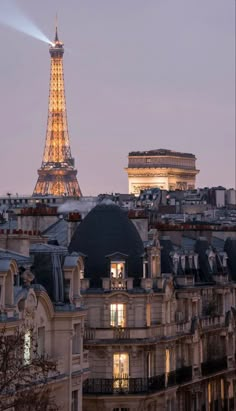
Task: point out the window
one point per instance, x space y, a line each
41 341
149 365
209 393
222 392
27 347
74 401
117 315
167 364
167 360
121 409
8 289
76 342
148 314
121 370
118 270
121 367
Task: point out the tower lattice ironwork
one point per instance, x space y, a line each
57 175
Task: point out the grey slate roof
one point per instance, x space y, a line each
230 248
58 231
218 243
12 255
187 243
106 230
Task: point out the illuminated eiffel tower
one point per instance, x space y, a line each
57 175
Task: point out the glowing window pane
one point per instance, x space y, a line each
118 270
121 370
117 315
167 360
27 347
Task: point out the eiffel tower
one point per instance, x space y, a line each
57 175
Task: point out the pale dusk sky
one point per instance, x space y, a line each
139 75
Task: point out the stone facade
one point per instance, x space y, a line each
57 328
166 169
167 342
137 320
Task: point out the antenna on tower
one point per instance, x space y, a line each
56 24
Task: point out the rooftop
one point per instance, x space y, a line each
161 152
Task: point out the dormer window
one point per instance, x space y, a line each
117 265
118 270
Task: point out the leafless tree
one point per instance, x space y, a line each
25 375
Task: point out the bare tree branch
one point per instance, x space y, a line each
25 375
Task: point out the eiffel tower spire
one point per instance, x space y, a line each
57 175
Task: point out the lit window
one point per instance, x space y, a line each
118 270
121 370
209 393
27 347
117 315
222 391
167 355
167 360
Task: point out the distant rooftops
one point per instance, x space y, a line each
161 152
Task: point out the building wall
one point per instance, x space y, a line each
180 356
59 333
231 196
148 180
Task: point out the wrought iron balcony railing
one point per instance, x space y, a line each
214 366
116 386
179 376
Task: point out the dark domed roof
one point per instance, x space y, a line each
104 231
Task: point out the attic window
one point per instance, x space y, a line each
117 269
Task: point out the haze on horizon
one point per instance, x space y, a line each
139 75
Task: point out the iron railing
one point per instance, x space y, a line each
213 366
179 376
114 386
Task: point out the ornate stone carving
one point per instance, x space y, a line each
27 278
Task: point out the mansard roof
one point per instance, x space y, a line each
198 257
230 248
104 231
21 259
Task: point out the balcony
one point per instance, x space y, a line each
179 376
214 366
119 386
113 284
80 362
76 362
212 321
140 333
183 327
